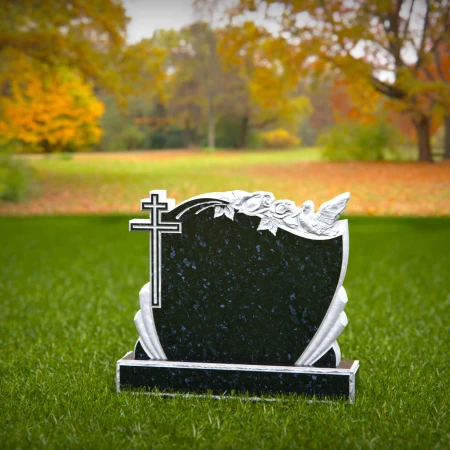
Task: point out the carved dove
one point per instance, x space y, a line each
322 222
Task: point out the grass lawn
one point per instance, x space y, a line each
114 183
69 290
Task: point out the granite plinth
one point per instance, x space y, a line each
224 379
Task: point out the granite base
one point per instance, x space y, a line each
195 378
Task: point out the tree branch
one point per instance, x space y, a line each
405 28
428 74
387 89
422 39
264 123
439 66
394 42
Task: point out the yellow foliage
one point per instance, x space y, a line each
54 111
280 139
86 35
266 66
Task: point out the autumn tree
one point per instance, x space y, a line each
321 118
204 44
50 110
385 43
186 100
436 73
162 89
262 88
172 72
196 79
352 102
193 81
205 36
85 35
50 53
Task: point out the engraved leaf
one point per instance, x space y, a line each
218 211
273 229
229 212
264 224
267 224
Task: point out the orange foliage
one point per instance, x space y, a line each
362 39
434 79
50 111
356 100
380 188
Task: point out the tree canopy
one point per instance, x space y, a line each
224 82
210 78
50 111
387 44
85 35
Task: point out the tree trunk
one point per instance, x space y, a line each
211 129
45 145
194 136
447 137
187 134
244 131
423 138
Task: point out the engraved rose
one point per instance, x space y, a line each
282 209
256 203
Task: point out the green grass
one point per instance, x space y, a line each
123 179
184 163
68 296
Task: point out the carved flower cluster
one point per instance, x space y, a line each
262 204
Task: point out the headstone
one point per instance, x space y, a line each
245 295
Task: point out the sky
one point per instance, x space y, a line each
149 15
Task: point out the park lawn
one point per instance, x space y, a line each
105 183
69 290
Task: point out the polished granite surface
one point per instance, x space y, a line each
233 294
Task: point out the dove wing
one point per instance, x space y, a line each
330 211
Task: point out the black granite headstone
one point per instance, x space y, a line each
245 295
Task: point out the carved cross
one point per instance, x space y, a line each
156 204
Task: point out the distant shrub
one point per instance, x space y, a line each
131 138
307 132
229 132
279 139
355 141
175 138
254 140
157 139
16 179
